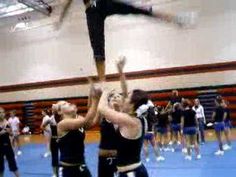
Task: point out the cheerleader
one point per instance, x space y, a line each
162 128
219 116
6 150
71 135
149 112
175 120
189 127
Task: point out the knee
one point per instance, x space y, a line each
99 58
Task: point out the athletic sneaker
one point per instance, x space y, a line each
199 156
178 142
147 159
184 150
47 154
188 157
19 152
172 149
167 149
160 158
227 147
170 143
219 152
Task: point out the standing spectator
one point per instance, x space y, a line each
198 108
14 123
46 131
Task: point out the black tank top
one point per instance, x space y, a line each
5 137
149 126
108 136
163 120
176 117
219 114
189 118
71 147
128 151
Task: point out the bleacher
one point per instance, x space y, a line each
30 112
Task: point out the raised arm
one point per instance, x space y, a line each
120 66
182 124
73 124
203 114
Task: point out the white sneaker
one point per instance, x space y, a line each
226 147
19 153
46 154
54 176
147 159
172 149
188 157
198 156
160 158
178 142
186 19
166 149
219 152
184 150
170 143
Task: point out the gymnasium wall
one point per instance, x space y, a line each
45 54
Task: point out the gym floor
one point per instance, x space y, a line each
174 166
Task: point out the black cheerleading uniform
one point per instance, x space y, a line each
108 141
176 120
96 13
162 123
6 150
189 122
72 161
128 153
219 119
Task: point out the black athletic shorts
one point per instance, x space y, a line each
106 166
76 171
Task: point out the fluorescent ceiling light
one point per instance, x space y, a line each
6 11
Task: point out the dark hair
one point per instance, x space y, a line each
13 111
46 111
138 98
219 99
187 103
177 106
160 108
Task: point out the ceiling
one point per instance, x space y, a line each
13 7
15 16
